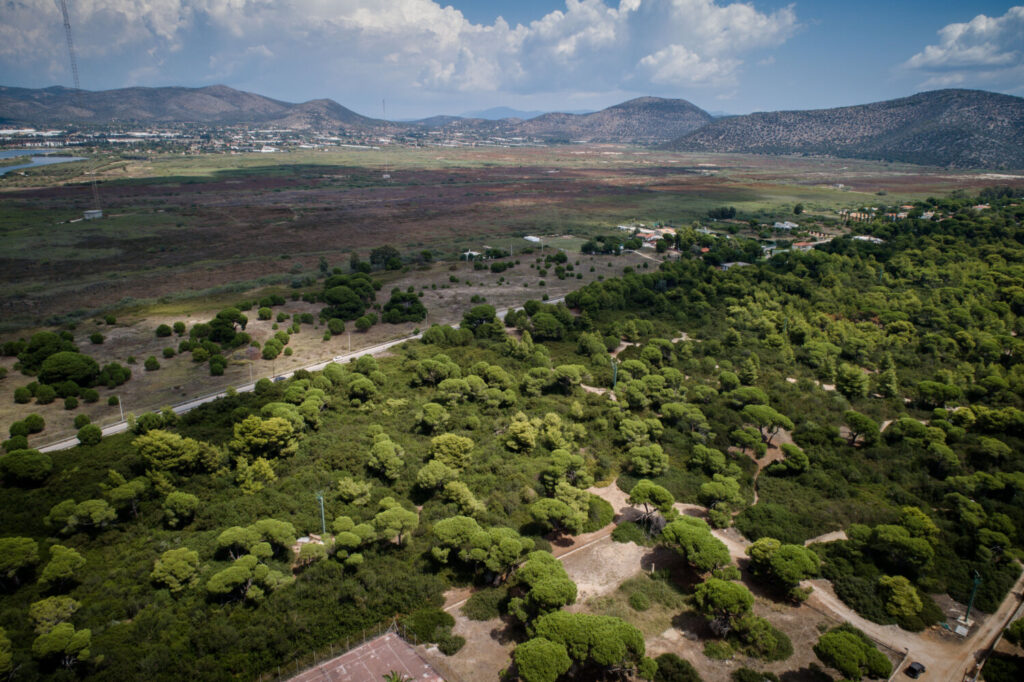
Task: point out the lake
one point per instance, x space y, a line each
39 158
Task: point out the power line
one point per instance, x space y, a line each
78 87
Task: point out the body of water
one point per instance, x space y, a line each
39 158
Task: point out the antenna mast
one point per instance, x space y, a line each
78 87
71 44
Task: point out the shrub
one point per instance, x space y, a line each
22 395
179 328
486 604
90 395
90 434
81 420
639 601
718 650
113 400
110 319
45 394
428 623
599 514
35 423
169 352
15 443
749 675
18 429
25 466
70 403
163 330
450 644
151 364
628 531
671 668
96 338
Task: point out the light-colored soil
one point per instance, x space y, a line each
599 565
827 537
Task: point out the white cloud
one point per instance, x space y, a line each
982 50
588 45
677 65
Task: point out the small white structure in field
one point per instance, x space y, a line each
93 214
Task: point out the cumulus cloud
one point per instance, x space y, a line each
984 49
588 45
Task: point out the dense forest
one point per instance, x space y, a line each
894 368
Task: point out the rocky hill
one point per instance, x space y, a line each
958 128
217 104
645 120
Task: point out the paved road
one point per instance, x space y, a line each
193 403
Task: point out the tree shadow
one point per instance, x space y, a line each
811 673
510 630
692 625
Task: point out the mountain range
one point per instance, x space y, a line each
957 128
960 128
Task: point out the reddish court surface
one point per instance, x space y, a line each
372 661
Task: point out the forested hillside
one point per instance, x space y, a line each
894 368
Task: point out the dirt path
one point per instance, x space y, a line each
599 391
945 655
827 537
598 565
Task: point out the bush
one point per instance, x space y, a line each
169 352
450 644
718 650
90 395
96 338
81 420
628 531
22 395
151 364
486 604
110 319
599 514
179 328
45 395
428 624
639 601
25 466
18 429
35 423
90 434
113 400
70 403
671 668
748 675
15 443
163 330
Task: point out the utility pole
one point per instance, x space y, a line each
970 604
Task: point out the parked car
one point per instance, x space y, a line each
914 670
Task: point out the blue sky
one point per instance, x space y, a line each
428 57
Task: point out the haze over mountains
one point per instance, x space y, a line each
958 128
